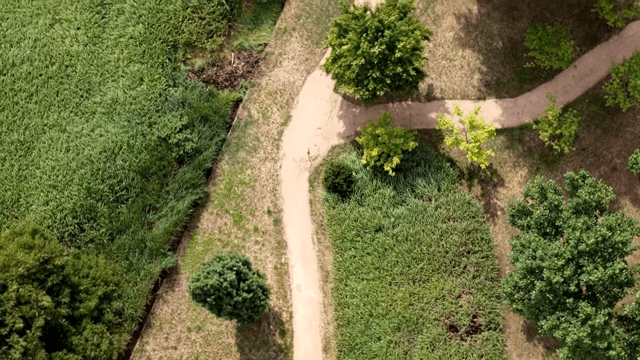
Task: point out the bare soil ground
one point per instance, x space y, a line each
477 48
243 211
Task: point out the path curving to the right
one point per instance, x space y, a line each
322 119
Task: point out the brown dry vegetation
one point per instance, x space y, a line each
606 139
477 48
243 210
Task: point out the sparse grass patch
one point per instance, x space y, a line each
477 49
414 270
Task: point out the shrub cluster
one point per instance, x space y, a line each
549 46
624 87
634 162
56 304
383 144
617 12
571 269
230 288
558 128
375 52
339 180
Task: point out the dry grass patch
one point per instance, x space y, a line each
243 210
477 48
607 137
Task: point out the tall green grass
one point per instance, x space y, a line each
103 140
412 253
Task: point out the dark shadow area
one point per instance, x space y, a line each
266 339
409 95
489 181
497 31
550 345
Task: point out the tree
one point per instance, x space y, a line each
624 87
570 267
383 144
374 52
470 138
56 304
230 288
558 128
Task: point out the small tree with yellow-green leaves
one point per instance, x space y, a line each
383 144
470 137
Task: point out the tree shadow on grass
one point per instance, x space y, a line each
496 32
266 339
549 344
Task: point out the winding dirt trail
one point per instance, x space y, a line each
322 119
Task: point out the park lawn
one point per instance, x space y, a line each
414 273
243 211
477 49
606 139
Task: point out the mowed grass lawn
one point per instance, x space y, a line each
415 276
104 141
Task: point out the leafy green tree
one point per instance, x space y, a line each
470 137
617 12
570 267
56 304
549 46
375 52
624 87
230 288
558 128
383 144
634 162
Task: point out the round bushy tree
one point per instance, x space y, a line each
571 269
230 288
374 52
338 179
56 304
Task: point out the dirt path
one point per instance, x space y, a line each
322 119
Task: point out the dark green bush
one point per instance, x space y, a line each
624 87
375 52
55 304
634 162
338 179
227 286
549 46
617 12
571 270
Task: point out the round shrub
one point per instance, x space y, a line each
634 162
231 289
338 179
374 52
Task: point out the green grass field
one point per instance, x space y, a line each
104 141
415 276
